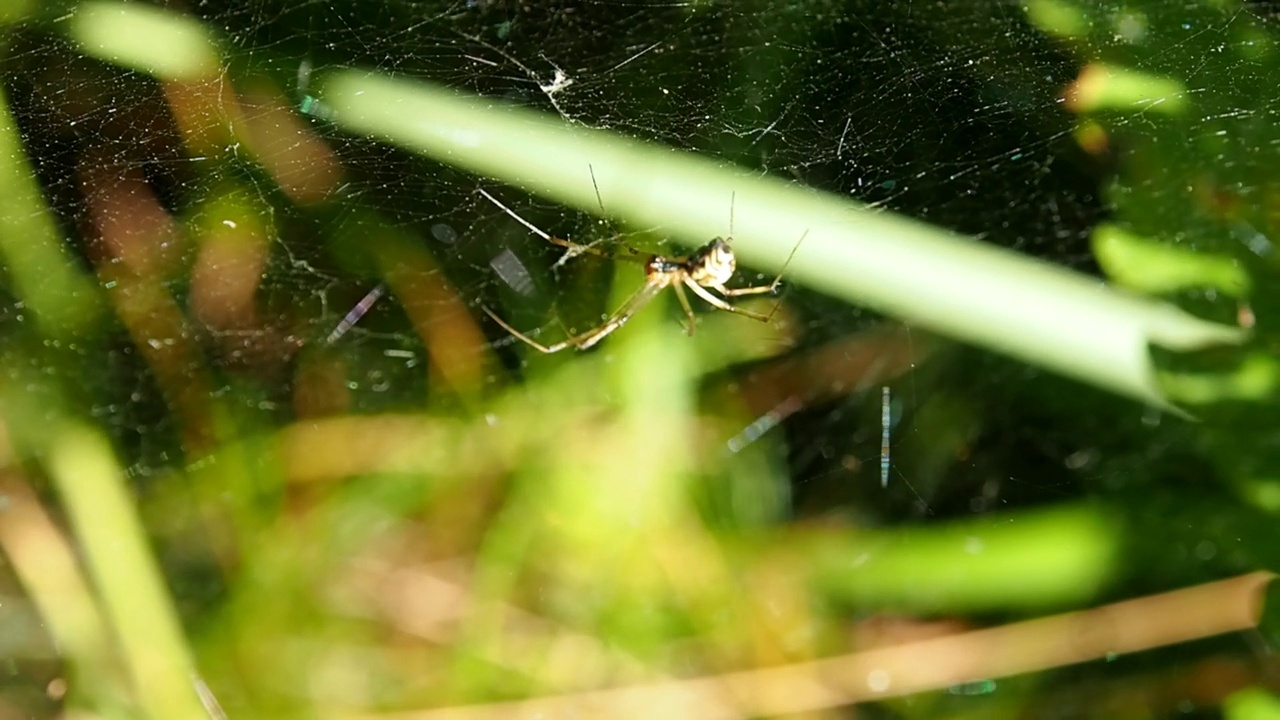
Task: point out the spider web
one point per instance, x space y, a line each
951 113
279 246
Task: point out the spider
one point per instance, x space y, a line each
707 269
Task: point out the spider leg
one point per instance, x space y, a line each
574 248
688 310
719 303
771 287
525 338
585 340
516 216
619 318
596 185
756 290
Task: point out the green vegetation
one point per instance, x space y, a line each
953 462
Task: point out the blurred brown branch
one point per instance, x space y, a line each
1120 628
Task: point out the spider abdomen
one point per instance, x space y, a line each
713 264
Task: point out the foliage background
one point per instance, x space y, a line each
202 492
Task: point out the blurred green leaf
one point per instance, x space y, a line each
148 39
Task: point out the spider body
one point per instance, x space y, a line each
713 264
660 269
706 270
